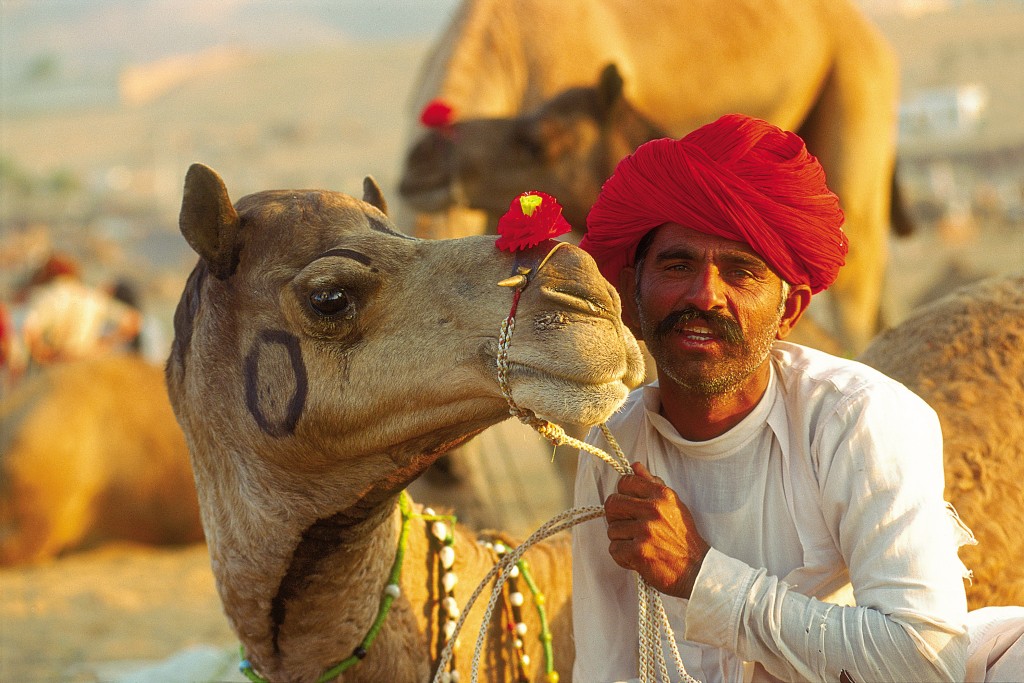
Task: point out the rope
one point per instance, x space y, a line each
653 621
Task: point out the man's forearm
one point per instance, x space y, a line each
793 636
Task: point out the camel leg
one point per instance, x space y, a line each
852 131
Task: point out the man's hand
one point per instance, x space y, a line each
653 533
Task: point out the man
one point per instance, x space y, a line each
788 504
68 320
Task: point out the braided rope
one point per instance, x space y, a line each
652 619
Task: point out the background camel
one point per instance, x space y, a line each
962 354
91 453
314 378
818 68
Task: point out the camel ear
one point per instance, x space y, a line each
209 222
372 194
609 87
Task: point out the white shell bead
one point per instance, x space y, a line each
451 607
440 530
514 571
526 660
455 677
448 581
393 589
516 599
521 628
447 554
449 629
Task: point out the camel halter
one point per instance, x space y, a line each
652 619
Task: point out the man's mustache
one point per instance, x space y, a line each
721 326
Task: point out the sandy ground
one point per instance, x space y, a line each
99 615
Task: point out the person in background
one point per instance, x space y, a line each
66 319
788 503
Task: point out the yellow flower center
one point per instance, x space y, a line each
529 203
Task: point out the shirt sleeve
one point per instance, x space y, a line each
605 624
879 468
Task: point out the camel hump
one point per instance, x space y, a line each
209 222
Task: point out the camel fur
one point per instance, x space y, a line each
819 68
962 354
321 361
92 453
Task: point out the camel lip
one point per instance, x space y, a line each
521 371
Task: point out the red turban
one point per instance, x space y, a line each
740 178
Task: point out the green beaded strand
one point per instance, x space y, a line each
545 632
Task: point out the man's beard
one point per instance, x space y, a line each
743 356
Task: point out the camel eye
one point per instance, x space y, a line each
331 302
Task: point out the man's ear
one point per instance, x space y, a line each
627 292
796 303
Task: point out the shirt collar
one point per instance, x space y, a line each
723 444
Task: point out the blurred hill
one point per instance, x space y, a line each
84 36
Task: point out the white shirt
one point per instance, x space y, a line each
828 495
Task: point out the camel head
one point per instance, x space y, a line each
322 359
566 147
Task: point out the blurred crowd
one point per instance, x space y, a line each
55 316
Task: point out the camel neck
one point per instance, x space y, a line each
293 628
391 591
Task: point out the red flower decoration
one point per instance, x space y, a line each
532 217
437 114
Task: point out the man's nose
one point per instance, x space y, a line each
707 289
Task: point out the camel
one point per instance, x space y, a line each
962 354
567 147
321 361
92 453
818 68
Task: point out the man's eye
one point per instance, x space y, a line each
330 302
